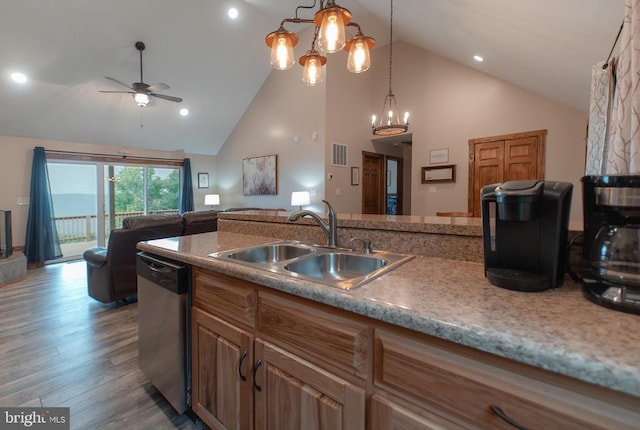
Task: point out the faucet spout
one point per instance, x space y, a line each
330 228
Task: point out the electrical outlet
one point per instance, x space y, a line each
433 189
338 191
23 201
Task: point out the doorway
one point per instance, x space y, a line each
382 184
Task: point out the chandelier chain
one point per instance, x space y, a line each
390 47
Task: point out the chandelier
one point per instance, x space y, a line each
329 33
389 123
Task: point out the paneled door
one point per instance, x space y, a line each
373 183
509 157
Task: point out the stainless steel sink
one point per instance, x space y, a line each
271 253
336 267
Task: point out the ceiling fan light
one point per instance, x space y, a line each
281 43
331 21
359 59
142 99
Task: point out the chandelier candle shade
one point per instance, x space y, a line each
330 22
389 123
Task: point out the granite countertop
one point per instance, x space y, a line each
558 330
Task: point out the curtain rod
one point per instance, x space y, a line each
131 157
604 67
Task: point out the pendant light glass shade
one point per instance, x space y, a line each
359 59
313 72
281 43
331 21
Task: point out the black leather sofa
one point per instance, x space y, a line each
111 271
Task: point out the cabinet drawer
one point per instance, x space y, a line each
332 338
467 387
223 295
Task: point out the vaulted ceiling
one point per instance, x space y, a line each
216 64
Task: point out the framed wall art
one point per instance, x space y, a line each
438 174
439 156
260 176
355 176
203 180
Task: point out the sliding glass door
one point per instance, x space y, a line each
91 199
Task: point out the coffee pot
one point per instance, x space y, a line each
611 256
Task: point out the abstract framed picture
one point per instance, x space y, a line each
260 176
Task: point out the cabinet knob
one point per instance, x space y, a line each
502 414
242 377
255 370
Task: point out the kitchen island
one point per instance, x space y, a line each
556 336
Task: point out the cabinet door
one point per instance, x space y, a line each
291 393
221 377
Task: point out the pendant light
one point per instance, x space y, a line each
330 22
389 123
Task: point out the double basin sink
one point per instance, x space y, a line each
336 267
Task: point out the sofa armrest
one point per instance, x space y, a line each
95 257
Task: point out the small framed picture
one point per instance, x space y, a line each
439 156
435 174
355 176
203 180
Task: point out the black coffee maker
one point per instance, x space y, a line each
611 256
525 226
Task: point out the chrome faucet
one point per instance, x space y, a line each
330 229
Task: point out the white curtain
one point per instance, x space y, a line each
613 143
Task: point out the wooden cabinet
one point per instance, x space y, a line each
233 367
480 391
268 360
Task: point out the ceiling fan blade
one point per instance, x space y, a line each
118 82
118 92
170 98
158 87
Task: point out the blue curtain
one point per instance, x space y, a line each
186 194
42 242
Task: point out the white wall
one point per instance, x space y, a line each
15 165
286 118
449 104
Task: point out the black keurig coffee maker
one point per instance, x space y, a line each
525 227
611 256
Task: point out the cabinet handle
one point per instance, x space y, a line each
255 370
242 377
502 414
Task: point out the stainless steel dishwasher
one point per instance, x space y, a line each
163 328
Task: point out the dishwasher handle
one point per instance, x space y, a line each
168 274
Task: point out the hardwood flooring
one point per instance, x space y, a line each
59 347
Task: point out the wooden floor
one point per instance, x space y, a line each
59 347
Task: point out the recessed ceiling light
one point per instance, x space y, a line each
18 77
478 58
184 112
233 13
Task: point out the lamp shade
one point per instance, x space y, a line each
299 198
212 199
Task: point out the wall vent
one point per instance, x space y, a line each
339 155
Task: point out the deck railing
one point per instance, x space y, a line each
83 228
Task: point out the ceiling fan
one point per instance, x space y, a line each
142 92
